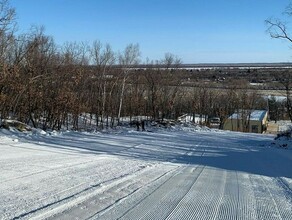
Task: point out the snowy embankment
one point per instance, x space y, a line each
184 173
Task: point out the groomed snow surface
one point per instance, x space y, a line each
127 174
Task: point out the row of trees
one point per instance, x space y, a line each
51 86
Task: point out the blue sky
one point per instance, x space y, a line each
197 31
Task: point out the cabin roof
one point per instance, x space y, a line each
254 115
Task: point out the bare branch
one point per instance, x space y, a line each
278 30
288 10
7 16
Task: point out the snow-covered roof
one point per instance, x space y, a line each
254 115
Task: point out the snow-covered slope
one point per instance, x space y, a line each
172 174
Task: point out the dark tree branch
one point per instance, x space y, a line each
278 30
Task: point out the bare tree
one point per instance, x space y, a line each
285 86
103 58
7 16
171 61
7 28
127 59
170 84
279 30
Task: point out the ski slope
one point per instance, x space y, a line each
164 174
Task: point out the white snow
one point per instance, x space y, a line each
284 125
175 173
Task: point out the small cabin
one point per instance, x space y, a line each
254 121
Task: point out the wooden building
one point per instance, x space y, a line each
254 121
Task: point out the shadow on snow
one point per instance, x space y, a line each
230 151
